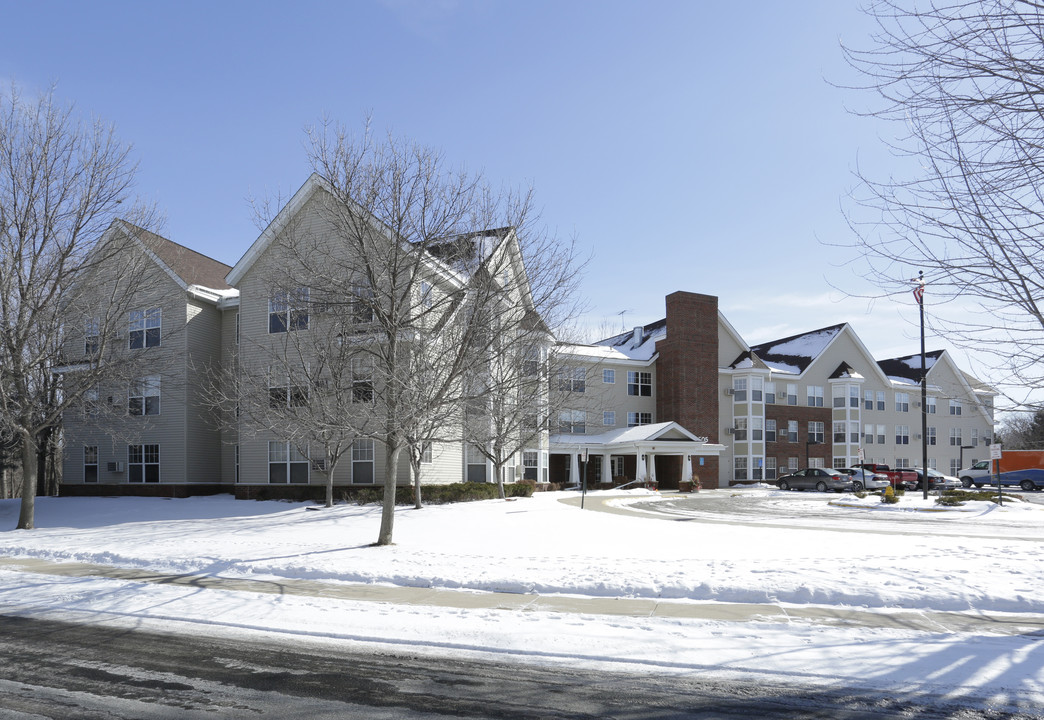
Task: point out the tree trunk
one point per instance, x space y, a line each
415 463
330 466
498 468
391 470
27 514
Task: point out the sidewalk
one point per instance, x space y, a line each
902 619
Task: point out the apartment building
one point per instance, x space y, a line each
681 399
815 399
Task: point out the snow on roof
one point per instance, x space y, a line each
795 353
639 433
645 347
906 370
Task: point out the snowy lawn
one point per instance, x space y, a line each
849 554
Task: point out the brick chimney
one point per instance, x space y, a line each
687 372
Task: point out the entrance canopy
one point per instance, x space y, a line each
645 442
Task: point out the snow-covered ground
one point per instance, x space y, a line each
790 550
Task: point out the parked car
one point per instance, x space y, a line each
936 480
1024 468
900 478
821 479
863 479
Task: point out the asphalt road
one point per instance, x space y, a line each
50 669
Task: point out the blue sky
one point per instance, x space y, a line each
688 145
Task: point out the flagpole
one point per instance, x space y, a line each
919 294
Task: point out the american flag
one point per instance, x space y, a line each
919 290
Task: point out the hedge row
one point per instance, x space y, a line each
430 494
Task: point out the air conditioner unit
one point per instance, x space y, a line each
731 431
730 391
116 467
319 464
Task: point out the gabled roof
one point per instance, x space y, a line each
187 265
795 353
907 369
662 432
844 371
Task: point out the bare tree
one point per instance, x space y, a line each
401 274
963 79
61 183
1022 431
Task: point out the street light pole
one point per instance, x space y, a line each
919 294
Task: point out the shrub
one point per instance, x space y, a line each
949 500
437 494
860 494
985 495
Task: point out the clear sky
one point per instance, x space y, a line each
688 145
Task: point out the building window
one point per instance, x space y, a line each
288 311
739 389
90 463
237 327
362 461
853 432
283 394
955 466
361 306
741 467
572 421
880 434
145 328
931 435
529 464
868 434
792 464
757 429
572 379
608 376
902 434
956 437
770 393
839 431
286 464
639 383
902 402
425 294
975 437
880 399
739 430
840 462
425 457
770 468
816 462
362 380
791 393
144 396
839 394
792 431
955 407
635 419
143 463
609 418
902 463
815 396
868 400
756 385
90 402
90 337
930 405
816 432
770 431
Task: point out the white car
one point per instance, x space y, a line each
864 479
937 481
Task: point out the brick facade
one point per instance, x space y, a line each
687 372
782 449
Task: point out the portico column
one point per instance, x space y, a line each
607 468
574 469
686 468
639 465
651 459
